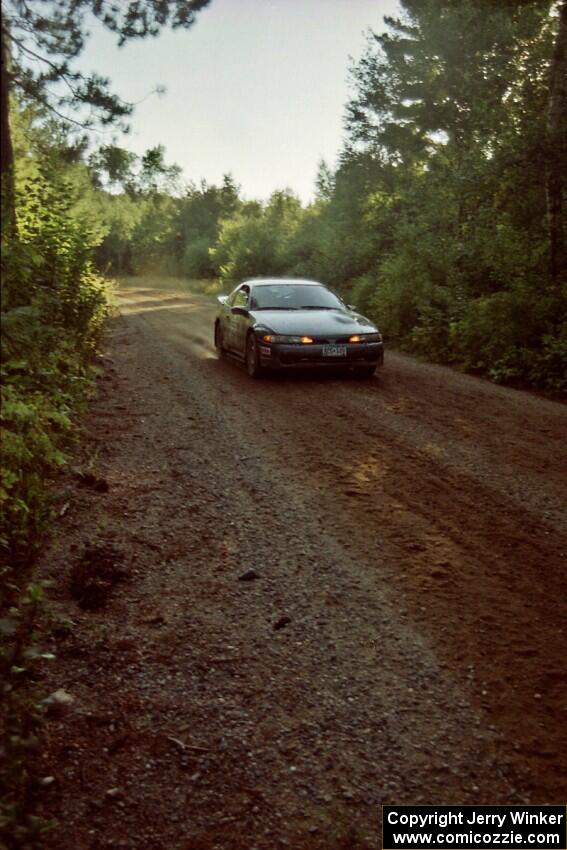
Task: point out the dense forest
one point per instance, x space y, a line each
444 218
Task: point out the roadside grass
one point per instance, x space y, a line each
175 284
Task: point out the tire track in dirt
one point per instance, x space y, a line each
420 625
447 516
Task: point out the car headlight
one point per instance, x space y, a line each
300 340
376 337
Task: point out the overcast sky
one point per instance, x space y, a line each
256 88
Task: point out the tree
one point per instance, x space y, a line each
557 148
464 86
157 177
442 74
39 41
113 167
324 181
461 108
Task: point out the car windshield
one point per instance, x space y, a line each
293 296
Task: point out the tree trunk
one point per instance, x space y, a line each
557 149
6 149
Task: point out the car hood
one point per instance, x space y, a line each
331 323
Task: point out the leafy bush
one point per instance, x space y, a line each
196 262
362 293
53 307
259 241
246 248
548 366
515 338
395 301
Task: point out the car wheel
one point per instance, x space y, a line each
252 359
365 371
219 341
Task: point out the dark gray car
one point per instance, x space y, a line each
275 323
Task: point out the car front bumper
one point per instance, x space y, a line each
282 356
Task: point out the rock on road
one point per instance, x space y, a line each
401 640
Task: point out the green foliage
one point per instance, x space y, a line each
53 309
344 245
21 713
197 260
515 339
362 293
53 306
259 240
121 214
447 157
152 226
151 236
246 248
435 221
547 364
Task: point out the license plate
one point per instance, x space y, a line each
334 350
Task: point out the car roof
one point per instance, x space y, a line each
274 281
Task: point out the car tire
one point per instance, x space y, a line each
219 342
365 372
252 357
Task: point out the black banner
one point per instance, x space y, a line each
480 827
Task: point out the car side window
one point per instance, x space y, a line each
241 297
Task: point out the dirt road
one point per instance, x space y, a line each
404 640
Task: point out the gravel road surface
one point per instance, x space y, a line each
401 639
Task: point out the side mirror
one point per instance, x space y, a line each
239 311
351 307
222 298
